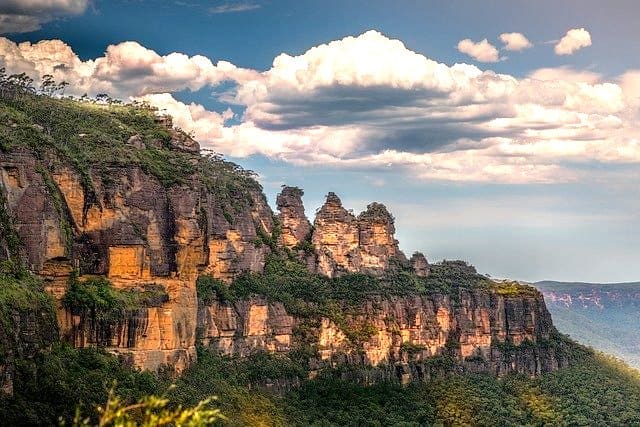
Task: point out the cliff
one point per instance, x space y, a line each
92 193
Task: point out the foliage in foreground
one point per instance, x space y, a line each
150 411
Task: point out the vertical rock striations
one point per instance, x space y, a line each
345 243
336 238
410 337
378 246
295 227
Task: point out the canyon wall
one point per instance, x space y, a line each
404 336
123 223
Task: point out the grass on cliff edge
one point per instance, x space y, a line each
98 297
93 139
287 280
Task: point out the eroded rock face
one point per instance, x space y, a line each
127 226
149 337
406 333
378 245
245 327
336 238
295 227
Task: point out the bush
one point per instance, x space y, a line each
27 314
96 295
210 290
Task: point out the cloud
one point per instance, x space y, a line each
574 40
233 7
515 41
126 69
21 16
566 74
482 51
369 103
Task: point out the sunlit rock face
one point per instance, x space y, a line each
405 333
378 245
128 227
336 238
345 243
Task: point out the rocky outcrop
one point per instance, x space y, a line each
378 246
141 228
126 225
336 238
344 243
403 337
295 227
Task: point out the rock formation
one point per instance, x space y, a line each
128 224
378 245
296 228
347 244
336 238
408 332
134 231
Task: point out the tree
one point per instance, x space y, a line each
47 85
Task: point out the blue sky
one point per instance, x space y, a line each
531 172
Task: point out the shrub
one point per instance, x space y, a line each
96 295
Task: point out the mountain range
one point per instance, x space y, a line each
603 316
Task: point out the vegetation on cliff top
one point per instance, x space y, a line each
287 280
93 138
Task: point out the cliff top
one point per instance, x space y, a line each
96 138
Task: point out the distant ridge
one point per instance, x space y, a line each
605 316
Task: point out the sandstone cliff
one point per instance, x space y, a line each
146 211
408 337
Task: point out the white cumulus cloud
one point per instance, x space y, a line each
574 40
125 69
481 51
515 41
21 16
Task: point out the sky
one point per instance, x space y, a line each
505 133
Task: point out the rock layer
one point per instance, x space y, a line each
483 332
135 231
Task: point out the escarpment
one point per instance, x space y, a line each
409 338
133 211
